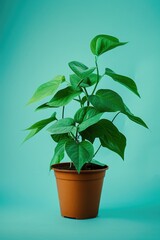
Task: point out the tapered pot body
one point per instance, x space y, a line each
79 194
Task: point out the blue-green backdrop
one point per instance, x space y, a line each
37 40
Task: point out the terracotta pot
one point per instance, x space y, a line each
79 194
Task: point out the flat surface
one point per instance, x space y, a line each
136 223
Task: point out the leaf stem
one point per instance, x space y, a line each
74 137
63 108
115 116
97 150
96 62
86 93
80 100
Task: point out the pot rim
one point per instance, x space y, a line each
54 167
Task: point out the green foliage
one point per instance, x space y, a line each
103 43
63 97
79 153
59 152
126 81
76 135
64 125
108 135
86 117
35 128
80 69
47 89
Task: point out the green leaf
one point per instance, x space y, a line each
98 163
92 79
63 97
77 82
35 128
59 137
103 43
47 89
79 153
32 133
112 138
86 117
108 134
43 122
59 152
126 81
80 69
134 118
64 125
107 100
43 106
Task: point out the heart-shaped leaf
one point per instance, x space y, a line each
77 82
64 125
109 136
79 153
107 100
47 89
86 117
81 70
126 81
63 97
59 137
59 152
103 43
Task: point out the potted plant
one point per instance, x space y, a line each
80 181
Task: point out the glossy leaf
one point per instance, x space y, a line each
77 82
112 138
103 43
43 122
64 125
79 153
126 81
59 137
43 106
107 100
98 163
92 79
108 134
59 152
36 127
134 118
86 117
47 89
63 97
80 69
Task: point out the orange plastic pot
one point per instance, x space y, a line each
79 194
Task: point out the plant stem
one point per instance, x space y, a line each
96 62
115 116
63 111
80 101
97 150
70 165
74 137
86 93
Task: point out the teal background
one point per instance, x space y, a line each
37 40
